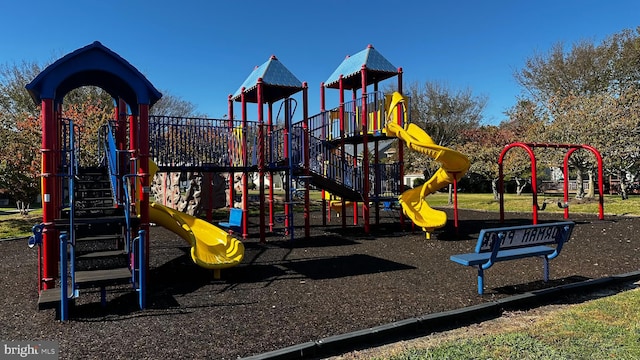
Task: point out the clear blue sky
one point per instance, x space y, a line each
203 50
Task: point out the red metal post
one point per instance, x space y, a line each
305 128
455 201
323 125
534 182
341 171
365 151
231 151
121 141
376 157
245 163
598 157
261 166
270 174
565 182
288 211
354 206
600 180
133 150
143 173
49 234
402 122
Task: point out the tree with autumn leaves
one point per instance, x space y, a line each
20 128
19 135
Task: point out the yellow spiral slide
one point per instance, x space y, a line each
211 246
454 166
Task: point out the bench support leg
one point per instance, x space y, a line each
480 280
546 269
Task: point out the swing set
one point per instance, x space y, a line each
528 147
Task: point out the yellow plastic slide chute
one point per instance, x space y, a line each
335 203
211 246
454 166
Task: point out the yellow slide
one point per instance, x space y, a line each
211 247
454 166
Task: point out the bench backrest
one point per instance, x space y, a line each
235 217
524 236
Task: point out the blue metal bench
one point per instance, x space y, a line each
516 242
235 220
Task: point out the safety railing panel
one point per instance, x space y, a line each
326 160
198 142
327 125
276 145
384 180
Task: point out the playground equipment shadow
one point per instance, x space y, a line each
286 293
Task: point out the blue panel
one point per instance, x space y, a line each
272 73
351 66
471 259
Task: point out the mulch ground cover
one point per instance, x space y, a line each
284 293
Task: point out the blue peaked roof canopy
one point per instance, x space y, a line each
279 83
378 69
95 65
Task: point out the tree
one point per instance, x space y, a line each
483 146
526 123
20 129
90 108
444 115
589 94
19 134
173 105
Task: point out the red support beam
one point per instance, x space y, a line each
534 184
322 110
231 175
261 167
401 122
305 127
144 176
342 145
245 163
270 173
49 206
365 151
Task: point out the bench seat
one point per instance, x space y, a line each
235 220
516 242
473 259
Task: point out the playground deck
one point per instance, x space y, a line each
337 282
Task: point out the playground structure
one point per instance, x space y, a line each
528 147
330 150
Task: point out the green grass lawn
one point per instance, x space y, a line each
606 328
613 205
12 224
